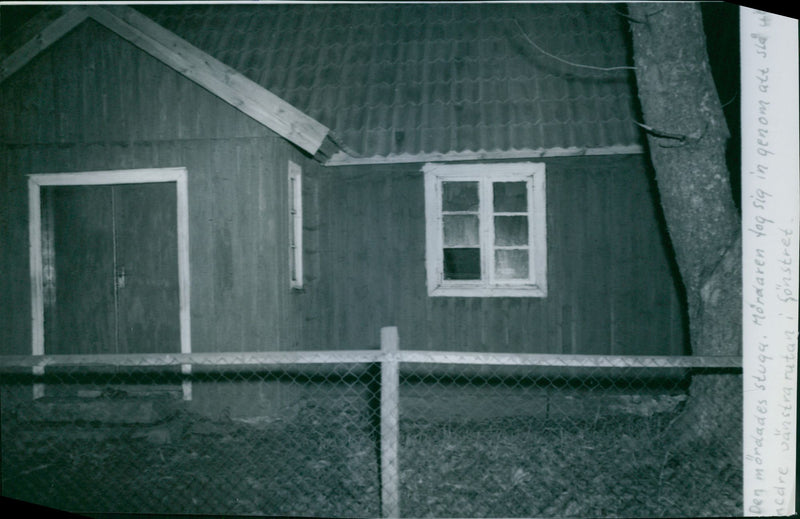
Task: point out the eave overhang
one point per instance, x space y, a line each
342 158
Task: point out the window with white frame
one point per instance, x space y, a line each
295 226
486 230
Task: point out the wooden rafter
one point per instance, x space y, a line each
49 35
225 82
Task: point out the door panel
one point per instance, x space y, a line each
147 255
78 259
110 259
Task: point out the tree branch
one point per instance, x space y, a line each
570 63
627 17
731 100
683 139
661 133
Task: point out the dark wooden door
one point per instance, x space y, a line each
110 259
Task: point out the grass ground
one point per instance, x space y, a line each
324 462
617 467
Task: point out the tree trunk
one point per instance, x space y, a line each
687 135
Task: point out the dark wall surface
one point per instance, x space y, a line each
94 102
610 284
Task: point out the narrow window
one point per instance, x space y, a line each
486 230
295 226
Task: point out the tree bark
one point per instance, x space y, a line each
687 137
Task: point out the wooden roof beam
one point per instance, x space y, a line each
40 41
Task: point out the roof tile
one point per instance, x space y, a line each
431 78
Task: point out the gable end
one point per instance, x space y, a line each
208 72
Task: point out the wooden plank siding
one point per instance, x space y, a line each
99 88
611 283
239 276
92 101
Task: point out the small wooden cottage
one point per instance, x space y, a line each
218 178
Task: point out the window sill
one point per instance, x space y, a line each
496 291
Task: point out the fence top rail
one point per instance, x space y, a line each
568 360
368 357
181 359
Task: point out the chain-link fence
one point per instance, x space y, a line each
280 439
561 442
370 433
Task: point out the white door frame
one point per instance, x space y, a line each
95 178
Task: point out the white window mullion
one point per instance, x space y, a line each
487 233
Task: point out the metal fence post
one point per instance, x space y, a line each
390 382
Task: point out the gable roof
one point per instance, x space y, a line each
411 82
419 82
220 79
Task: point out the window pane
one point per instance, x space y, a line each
459 196
460 230
510 230
511 264
510 197
462 263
